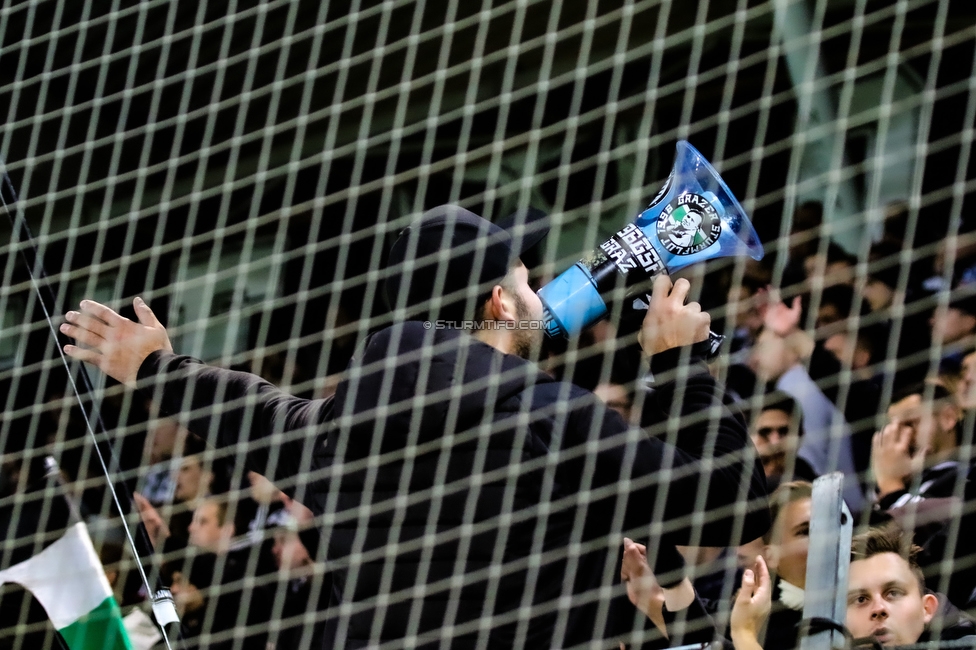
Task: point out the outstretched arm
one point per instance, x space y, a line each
112 343
278 432
221 406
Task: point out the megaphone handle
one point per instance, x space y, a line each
710 347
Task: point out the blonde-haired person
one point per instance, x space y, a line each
775 570
784 549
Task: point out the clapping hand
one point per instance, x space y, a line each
752 605
643 589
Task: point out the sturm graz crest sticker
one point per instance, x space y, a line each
689 224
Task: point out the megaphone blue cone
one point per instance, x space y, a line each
693 218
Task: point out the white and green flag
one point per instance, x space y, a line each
68 580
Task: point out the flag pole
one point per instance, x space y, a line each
140 544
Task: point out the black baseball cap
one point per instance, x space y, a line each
470 254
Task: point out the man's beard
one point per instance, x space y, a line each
526 343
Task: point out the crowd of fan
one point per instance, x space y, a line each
838 375
237 559
873 375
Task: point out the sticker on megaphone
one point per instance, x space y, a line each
694 217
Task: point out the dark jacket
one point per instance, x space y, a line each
949 624
937 482
465 493
299 597
782 627
231 610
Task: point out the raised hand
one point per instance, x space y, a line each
771 356
896 455
156 528
779 318
752 605
114 344
669 322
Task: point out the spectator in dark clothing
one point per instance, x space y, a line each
164 442
836 304
195 477
859 396
894 308
887 601
954 263
855 350
786 547
884 270
823 363
194 480
834 266
776 432
954 328
952 541
916 455
473 512
805 234
212 600
920 484
778 357
966 384
844 343
302 589
211 530
208 586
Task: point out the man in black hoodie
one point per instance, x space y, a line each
467 497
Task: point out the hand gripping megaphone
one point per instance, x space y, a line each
693 218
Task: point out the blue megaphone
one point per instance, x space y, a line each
693 218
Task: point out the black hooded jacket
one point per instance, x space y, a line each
465 494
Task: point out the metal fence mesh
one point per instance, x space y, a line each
245 167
